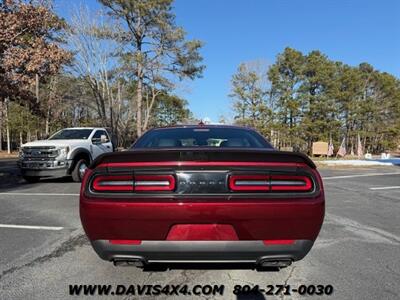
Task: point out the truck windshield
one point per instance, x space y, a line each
223 137
71 134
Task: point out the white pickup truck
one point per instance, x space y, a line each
68 152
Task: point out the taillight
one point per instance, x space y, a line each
249 183
267 183
154 183
133 183
290 183
105 183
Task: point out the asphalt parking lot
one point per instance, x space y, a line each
43 248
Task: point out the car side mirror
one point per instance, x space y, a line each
103 139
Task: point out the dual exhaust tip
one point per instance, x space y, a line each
140 262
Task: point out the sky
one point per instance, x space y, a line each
236 31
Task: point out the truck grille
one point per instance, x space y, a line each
40 153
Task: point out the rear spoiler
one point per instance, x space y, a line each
204 155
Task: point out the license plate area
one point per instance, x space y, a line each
35 165
202 182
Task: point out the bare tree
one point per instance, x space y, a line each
155 50
250 91
94 59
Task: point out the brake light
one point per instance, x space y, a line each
130 183
249 183
154 183
121 183
266 183
290 183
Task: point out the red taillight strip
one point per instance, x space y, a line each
270 183
116 183
125 242
249 183
113 183
129 183
154 183
290 183
278 242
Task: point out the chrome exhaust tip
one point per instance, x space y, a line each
128 262
281 263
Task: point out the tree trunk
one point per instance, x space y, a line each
111 116
139 99
47 122
110 106
1 125
37 88
7 127
118 112
149 109
274 138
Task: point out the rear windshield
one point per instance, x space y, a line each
201 137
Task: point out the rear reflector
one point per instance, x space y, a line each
125 242
265 183
278 242
202 232
130 183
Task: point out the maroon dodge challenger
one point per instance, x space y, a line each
202 194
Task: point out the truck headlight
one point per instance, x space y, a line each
63 152
21 153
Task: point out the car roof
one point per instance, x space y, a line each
204 126
77 128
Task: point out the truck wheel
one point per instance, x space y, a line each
31 179
79 170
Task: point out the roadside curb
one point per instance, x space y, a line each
356 163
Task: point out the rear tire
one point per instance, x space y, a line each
78 171
31 179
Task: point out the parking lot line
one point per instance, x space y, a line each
360 175
30 227
39 194
386 187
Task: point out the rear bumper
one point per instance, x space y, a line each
253 252
271 219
